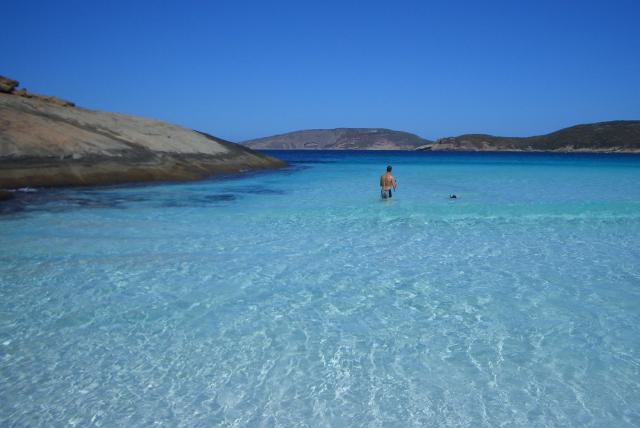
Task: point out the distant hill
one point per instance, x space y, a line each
340 139
616 136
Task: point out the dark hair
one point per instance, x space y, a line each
389 168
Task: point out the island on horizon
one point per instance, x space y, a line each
340 139
621 136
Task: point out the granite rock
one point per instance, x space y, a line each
44 143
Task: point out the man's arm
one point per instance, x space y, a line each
382 181
393 180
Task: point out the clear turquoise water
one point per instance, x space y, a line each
298 298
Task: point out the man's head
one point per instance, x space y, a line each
389 168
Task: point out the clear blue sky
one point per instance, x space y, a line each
240 70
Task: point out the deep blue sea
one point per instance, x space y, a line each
297 298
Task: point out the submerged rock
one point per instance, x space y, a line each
5 195
46 142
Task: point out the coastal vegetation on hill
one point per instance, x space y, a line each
615 136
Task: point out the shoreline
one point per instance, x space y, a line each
612 152
594 151
43 173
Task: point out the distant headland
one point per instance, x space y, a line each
47 141
621 136
341 139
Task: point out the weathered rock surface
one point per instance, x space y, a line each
44 143
621 136
340 139
45 98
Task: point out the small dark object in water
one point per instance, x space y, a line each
453 197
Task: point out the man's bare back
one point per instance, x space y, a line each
387 182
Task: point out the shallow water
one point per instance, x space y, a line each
298 298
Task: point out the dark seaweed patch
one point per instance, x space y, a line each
199 201
220 197
303 161
175 204
65 200
293 169
256 190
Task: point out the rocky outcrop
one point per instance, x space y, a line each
45 98
622 136
47 143
7 85
340 139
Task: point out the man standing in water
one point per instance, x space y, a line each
386 183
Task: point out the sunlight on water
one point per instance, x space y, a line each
298 298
